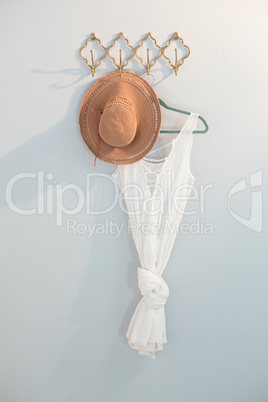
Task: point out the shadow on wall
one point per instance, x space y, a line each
61 151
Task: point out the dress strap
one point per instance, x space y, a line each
186 143
188 126
184 140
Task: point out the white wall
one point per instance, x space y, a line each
66 300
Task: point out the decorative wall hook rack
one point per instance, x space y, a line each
93 65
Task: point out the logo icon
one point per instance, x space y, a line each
255 220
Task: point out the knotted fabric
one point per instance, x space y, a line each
147 329
153 288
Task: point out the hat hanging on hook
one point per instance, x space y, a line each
129 119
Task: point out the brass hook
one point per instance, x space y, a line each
148 62
176 61
177 64
120 55
92 61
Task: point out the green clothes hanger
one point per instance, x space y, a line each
162 103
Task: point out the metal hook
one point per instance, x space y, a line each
148 62
120 64
176 61
92 61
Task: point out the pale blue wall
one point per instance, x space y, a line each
66 300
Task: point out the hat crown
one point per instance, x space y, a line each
118 123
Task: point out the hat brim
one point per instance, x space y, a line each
147 108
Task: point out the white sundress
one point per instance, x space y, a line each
154 217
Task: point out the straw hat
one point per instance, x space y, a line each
120 118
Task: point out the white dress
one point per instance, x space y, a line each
155 199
